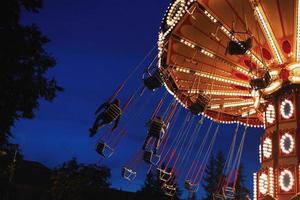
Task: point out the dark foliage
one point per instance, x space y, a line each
214 175
24 63
241 190
73 181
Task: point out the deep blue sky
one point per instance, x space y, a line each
96 44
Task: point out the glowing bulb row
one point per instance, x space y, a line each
267 148
263 22
270 114
214 77
187 43
227 93
271 181
254 186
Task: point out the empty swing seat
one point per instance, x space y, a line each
151 158
239 48
169 190
261 82
154 81
191 187
229 193
163 175
128 174
199 105
104 149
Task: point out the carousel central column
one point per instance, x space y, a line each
279 149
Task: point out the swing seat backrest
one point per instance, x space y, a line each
239 48
153 82
164 175
199 105
104 150
156 127
113 111
151 158
261 82
128 174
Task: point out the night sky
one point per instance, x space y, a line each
97 43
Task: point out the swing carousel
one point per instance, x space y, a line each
233 62
239 62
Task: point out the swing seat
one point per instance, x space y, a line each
154 81
156 127
104 149
191 187
151 158
128 174
199 105
229 193
261 82
169 190
239 48
163 175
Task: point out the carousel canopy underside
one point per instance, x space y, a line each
194 37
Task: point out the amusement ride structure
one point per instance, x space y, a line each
234 62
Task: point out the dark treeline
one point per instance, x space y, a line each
22 180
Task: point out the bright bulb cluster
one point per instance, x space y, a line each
263 183
265 26
286 180
287 143
175 12
270 114
287 109
254 186
267 148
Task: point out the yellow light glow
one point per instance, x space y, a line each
274 86
268 33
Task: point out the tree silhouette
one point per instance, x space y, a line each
24 63
213 175
152 188
73 181
241 190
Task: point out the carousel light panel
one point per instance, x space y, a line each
270 114
267 148
286 109
287 143
263 183
286 180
